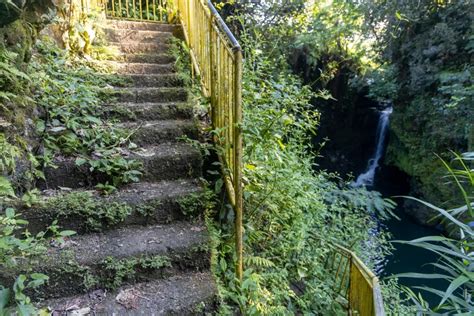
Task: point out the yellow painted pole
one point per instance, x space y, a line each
238 153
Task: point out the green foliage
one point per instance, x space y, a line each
23 302
292 213
195 204
93 213
395 301
456 261
333 40
111 273
115 272
69 94
13 249
428 45
13 82
180 51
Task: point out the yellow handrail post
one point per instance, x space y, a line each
238 161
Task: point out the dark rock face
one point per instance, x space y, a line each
20 21
10 11
350 131
433 63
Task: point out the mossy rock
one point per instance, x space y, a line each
9 12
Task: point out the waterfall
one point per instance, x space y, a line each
367 178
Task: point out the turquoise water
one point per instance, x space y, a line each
406 258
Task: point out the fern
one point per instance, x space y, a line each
258 262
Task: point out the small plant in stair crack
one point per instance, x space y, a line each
115 272
180 51
196 204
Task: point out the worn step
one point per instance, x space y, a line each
170 161
163 58
149 111
184 294
155 80
161 162
140 68
144 203
133 35
144 26
113 258
158 132
140 48
145 95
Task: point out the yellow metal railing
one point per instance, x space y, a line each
142 10
217 57
355 283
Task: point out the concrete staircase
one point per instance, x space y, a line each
156 261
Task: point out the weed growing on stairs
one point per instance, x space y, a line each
69 92
195 204
180 51
111 273
115 272
15 248
93 213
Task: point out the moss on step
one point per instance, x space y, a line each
90 213
111 272
106 261
141 204
68 277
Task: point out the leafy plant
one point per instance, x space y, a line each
13 249
456 256
73 125
292 213
95 214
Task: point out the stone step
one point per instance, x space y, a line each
170 161
149 111
158 132
133 35
185 294
146 203
140 68
161 162
163 58
143 26
155 80
115 258
145 95
140 48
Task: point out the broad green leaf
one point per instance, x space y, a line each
4 298
455 284
66 233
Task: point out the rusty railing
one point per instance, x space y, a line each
217 58
354 283
140 10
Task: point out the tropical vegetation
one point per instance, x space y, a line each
307 66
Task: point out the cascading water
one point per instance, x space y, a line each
367 178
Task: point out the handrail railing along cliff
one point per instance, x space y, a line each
217 57
355 283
